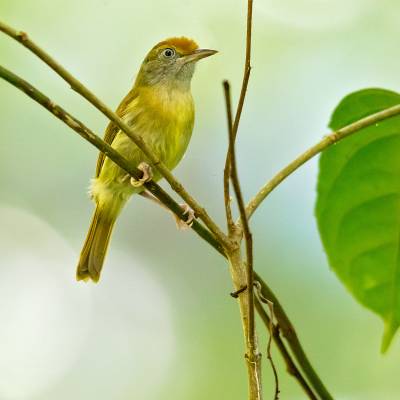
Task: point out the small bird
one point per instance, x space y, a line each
160 109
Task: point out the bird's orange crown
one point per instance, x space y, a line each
182 44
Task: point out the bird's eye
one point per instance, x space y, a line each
168 53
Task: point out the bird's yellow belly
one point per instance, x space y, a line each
168 138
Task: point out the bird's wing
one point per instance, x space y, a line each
112 129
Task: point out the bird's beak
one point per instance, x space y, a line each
198 55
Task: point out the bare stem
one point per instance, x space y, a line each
290 365
269 354
242 97
252 354
253 357
247 307
23 38
290 335
105 148
327 141
247 67
244 222
228 161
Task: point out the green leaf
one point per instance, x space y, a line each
358 206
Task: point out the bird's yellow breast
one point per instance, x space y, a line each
164 119
165 122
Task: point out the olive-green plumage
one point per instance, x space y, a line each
160 109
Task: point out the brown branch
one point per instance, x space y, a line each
252 352
290 335
247 67
290 365
227 170
233 167
242 96
105 148
269 354
23 38
246 229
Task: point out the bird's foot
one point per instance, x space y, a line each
147 175
191 216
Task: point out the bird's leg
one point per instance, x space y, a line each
147 175
179 223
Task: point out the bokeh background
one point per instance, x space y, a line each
161 323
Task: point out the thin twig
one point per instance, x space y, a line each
247 67
269 354
200 212
253 357
233 167
270 305
290 335
239 109
290 365
246 233
105 148
235 179
227 170
326 142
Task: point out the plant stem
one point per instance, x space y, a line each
252 351
290 365
253 357
23 38
227 170
327 141
247 308
290 335
247 67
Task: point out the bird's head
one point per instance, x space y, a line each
171 62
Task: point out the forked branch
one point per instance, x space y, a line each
252 354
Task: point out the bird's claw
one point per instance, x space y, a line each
147 175
180 224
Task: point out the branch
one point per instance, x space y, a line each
244 222
290 365
23 38
269 355
242 96
227 170
105 148
252 354
294 343
327 141
247 68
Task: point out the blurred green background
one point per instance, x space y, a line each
161 323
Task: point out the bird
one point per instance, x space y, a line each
160 109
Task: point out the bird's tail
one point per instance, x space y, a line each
96 243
